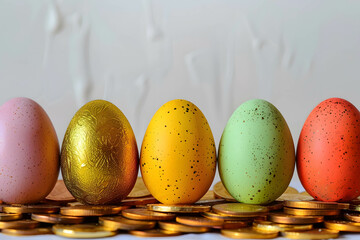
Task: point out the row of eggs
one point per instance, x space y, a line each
99 157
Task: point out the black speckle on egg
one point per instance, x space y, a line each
244 124
335 123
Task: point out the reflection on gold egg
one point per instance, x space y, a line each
99 155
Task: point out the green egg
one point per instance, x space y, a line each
256 153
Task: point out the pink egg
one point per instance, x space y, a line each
29 152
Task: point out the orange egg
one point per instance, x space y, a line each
328 151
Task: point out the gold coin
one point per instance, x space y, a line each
121 223
318 233
274 206
54 203
352 207
311 204
92 210
355 217
41 208
139 189
82 231
178 208
141 206
245 233
2 207
355 201
56 218
154 233
266 226
345 226
221 192
239 209
305 193
217 216
295 197
10 216
27 232
19 224
177 227
209 199
211 202
233 224
144 214
73 204
60 193
343 206
139 201
311 212
291 190
199 221
293 219
209 195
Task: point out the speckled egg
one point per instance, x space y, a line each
99 154
178 154
256 153
29 152
328 151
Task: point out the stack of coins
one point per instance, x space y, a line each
294 215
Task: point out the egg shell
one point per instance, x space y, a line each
99 154
256 153
29 152
178 154
328 151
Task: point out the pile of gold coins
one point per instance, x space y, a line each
294 215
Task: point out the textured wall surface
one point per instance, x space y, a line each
217 54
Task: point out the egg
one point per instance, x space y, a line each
328 151
99 155
29 152
178 154
256 153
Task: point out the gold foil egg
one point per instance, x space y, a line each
99 155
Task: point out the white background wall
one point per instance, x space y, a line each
217 54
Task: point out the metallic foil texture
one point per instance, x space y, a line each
99 155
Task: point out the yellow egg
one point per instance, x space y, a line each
178 154
99 155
